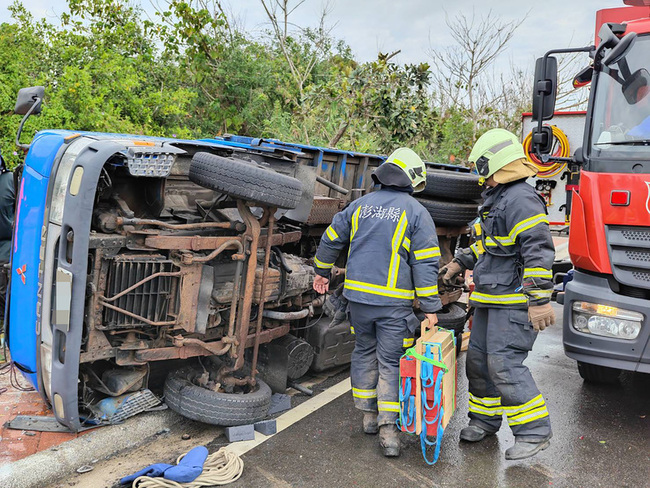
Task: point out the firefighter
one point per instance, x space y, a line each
393 258
511 258
7 204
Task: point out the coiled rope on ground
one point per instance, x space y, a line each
220 468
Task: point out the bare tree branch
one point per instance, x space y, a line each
460 78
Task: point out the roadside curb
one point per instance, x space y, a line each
47 467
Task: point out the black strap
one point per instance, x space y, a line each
484 234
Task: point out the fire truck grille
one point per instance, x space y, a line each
629 252
152 300
641 276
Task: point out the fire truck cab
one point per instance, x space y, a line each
606 307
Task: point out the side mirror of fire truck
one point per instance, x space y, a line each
545 88
28 103
620 50
583 78
637 86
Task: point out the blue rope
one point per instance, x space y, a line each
407 407
426 373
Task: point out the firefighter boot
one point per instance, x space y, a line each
389 440
523 450
473 433
370 423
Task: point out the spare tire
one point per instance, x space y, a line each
453 317
211 407
450 214
245 180
452 184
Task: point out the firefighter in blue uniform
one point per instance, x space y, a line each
511 259
7 204
393 258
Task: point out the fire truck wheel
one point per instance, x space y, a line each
212 407
452 184
450 214
245 180
593 373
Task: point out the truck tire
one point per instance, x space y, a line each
453 317
450 214
245 180
593 373
211 407
452 184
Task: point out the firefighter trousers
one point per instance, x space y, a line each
381 335
499 382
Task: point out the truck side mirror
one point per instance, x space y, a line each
545 88
29 100
637 86
584 77
542 139
28 103
621 49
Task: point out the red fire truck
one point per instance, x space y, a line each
607 304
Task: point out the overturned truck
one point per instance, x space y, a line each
132 251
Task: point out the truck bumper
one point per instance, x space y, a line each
630 355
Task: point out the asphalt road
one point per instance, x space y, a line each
601 438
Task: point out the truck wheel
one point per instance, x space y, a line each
450 214
593 373
211 407
452 317
245 180
452 184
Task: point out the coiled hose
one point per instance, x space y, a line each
560 148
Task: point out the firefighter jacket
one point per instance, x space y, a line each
513 253
393 251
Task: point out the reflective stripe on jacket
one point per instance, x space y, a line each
514 222
393 255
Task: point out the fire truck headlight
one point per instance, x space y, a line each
607 321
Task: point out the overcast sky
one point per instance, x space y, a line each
369 26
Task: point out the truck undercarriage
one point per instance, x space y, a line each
154 250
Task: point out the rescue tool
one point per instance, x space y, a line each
427 390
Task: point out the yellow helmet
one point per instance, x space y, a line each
494 150
412 165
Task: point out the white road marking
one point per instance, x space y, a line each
294 415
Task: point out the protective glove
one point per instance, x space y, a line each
541 316
336 306
450 272
153 471
190 467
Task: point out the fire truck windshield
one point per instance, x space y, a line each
621 108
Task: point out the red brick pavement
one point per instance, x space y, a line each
18 444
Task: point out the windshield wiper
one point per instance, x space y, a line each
636 142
